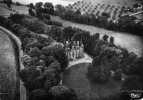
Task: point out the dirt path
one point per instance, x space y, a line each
86 59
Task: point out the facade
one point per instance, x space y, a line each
74 50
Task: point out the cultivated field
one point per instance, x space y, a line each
114 7
75 77
7 65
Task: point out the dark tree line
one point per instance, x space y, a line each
96 20
123 24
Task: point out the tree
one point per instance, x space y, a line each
49 7
55 65
30 78
78 12
96 36
67 33
107 15
23 33
43 57
31 6
8 3
98 72
58 52
49 60
60 9
77 36
112 40
62 93
38 7
135 5
105 37
18 4
35 52
31 12
55 33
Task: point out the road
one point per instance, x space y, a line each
85 59
20 53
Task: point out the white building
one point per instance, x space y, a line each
74 50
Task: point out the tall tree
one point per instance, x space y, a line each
38 7
99 71
49 7
8 2
60 9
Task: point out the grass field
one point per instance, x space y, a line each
131 42
75 77
7 64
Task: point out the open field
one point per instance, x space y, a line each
131 42
114 7
8 74
75 77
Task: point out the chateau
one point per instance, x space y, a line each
74 49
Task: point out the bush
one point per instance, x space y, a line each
62 93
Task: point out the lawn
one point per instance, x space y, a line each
8 74
75 77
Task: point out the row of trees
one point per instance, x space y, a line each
82 6
41 75
103 22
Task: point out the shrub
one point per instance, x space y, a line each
62 93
